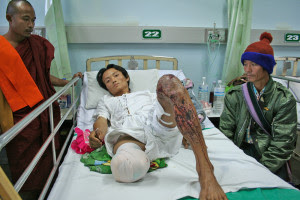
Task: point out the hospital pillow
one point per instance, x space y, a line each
139 80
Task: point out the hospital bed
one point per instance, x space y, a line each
286 72
240 176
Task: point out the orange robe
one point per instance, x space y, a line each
6 117
16 83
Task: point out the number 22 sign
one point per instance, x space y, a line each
151 34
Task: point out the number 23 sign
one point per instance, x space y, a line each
292 37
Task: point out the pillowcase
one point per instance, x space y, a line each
139 80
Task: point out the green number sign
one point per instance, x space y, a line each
292 37
151 34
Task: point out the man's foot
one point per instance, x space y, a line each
188 123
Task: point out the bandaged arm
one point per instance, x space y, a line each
97 135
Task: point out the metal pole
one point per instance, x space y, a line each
51 129
13 131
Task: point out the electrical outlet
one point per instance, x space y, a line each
216 35
222 37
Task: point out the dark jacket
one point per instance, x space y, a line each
279 110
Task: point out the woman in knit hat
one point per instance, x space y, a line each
267 129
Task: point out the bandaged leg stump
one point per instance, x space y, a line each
173 96
130 163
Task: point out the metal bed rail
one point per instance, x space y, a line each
287 64
17 128
288 79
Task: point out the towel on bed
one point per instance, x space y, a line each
99 161
81 144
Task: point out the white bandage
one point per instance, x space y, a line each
130 163
160 112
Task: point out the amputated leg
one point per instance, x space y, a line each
173 96
130 163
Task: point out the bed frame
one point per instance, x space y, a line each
291 64
288 62
6 189
17 128
121 59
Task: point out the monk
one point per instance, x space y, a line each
36 53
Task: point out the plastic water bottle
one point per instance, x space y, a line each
203 91
211 93
219 94
65 99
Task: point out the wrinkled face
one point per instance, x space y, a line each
115 82
22 22
255 73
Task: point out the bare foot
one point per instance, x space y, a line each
189 126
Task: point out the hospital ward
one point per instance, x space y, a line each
161 99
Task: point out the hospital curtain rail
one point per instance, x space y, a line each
17 128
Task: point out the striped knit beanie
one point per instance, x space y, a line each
261 53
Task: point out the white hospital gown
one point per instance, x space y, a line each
135 114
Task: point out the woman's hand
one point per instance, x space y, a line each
95 140
97 136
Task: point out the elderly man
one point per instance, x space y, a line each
260 116
26 67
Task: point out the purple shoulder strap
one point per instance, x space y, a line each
251 107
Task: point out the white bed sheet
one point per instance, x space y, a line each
234 170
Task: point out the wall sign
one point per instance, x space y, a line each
151 34
292 37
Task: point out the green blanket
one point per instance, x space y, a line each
99 161
261 194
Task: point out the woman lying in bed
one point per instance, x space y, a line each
141 126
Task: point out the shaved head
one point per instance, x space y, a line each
21 18
12 7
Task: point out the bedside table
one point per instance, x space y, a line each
214 118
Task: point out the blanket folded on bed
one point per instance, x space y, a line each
81 145
99 161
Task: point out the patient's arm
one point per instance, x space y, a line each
189 125
99 132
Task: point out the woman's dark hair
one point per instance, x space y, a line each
117 67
